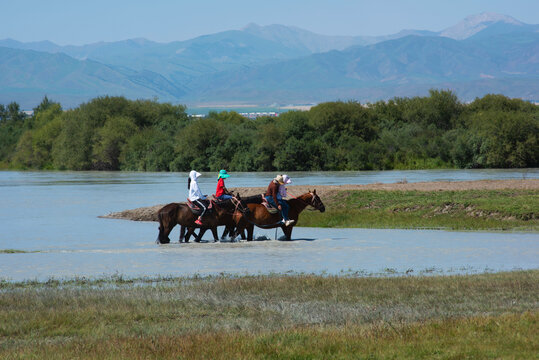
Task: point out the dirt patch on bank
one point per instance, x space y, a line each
328 192
148 213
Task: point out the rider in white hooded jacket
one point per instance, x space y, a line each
195 195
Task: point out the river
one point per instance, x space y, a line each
53 218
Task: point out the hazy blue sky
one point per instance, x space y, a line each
85 21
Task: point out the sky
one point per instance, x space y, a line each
77 22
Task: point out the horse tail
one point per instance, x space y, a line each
161 238
166 218
161 226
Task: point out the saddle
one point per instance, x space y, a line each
197 210
268 206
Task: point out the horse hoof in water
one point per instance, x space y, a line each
158 241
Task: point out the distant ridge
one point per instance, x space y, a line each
473 24
483 53
37 73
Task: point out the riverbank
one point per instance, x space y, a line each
455 205
276 316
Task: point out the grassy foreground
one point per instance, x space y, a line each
455 210
274 317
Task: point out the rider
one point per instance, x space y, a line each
282 188
195 195
222 193
273 197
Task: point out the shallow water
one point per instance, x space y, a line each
55 214
313 251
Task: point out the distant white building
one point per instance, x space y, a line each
254 115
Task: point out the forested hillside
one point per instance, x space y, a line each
113 133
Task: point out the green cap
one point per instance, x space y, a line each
222 174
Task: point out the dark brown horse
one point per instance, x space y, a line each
180 213
259 215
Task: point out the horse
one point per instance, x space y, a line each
180 213
241 206
236 203
259 215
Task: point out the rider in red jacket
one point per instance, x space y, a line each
221 193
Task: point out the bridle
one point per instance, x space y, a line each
238 205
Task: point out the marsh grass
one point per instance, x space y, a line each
15 251
455 210
300 316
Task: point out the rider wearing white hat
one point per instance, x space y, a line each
273 197
195 195
282 187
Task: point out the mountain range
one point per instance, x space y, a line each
485 53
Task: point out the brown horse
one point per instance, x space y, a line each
225 219
259 215
236 203
179 213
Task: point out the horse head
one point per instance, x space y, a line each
241 205
316 202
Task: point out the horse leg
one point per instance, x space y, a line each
240 232
250 230
232 234
164 231
214 232
182 233
240 227
226 232
288 232
200 234
190 231
160 237
162 224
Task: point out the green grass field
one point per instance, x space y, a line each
273 317
452 210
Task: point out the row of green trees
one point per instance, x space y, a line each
113 133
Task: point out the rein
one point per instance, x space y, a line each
238 206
